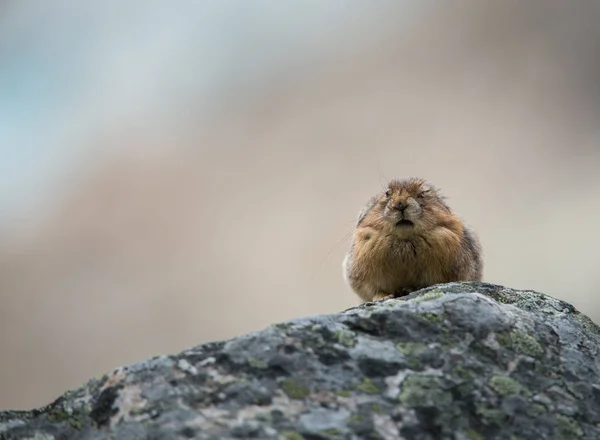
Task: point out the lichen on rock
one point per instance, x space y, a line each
454 361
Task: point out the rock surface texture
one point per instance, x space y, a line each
462 361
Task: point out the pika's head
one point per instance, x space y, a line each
406 205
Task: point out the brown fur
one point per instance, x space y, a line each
407 238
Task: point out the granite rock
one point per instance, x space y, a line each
463 361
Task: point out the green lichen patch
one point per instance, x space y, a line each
484 351
342 393
361 424
567 428
520 342
423 390
440 328
536 410
589 325
448 340
356 418
410 348
411 352
375 408
292 435
474 435
429 296
331 433
506 386
315 340
294 390
258 363
503 297
57 415
434 318
461 372
367 386
282 326
491 416
345 337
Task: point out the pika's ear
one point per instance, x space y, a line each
428 187
437 193
442 200
363 213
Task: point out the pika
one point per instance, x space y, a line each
407 238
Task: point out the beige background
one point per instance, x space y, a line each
171 229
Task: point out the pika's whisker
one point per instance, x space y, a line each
330 253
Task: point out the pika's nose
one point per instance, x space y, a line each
400 206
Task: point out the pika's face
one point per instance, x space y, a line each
406 205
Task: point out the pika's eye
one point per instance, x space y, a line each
387 193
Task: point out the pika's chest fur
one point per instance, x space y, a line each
388 261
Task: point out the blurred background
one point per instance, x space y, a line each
174 173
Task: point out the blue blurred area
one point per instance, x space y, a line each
69 69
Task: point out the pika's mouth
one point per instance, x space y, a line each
404 223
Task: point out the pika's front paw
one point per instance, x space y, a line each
382 297
403 291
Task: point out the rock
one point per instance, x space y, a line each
462 361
